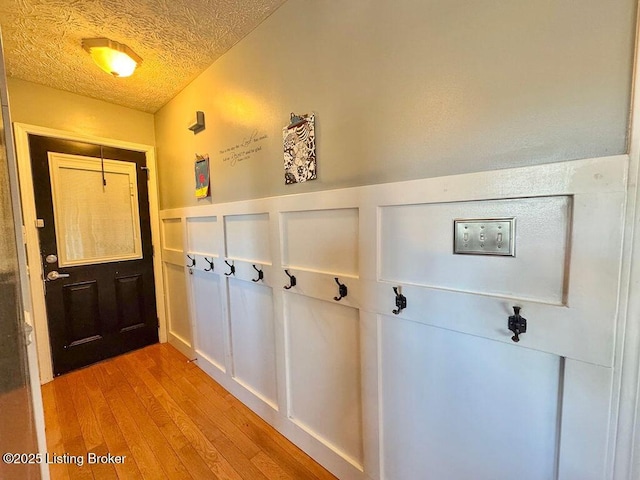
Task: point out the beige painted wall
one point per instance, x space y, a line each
47 107
406 89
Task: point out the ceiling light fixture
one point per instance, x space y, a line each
112 57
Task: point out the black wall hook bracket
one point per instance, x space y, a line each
401 301
260 274
517 324
342 290
292 280
211 266
193 261
232 267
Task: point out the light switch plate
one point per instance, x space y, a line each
490 236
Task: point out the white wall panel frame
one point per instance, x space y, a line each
597 188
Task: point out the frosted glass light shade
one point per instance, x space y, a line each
112 57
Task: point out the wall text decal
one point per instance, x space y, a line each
243 150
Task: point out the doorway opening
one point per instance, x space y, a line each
94 229
82 297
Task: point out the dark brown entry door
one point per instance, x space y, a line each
95 245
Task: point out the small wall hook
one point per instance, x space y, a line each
401 301
193 261
232 267
260 274
292 280
342 290
211 266
517 324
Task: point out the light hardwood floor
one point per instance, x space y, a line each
169 418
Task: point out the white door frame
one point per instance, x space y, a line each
21 133
625 447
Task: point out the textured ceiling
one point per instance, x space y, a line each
177 40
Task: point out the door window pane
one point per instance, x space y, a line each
95 223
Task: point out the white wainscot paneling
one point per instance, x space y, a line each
253 338
176 288
201 232
209 318
417 248
172 233
321 240
247 237
459 407
323 362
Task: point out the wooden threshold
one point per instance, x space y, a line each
168 419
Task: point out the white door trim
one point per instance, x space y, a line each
21 133
625 447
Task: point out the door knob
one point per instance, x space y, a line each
54 275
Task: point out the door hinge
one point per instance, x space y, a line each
146 169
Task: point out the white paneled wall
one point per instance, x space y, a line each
209 319
438 390
474 409
321 240
253 338
323 358
423 234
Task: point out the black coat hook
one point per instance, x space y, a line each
401 301
517 324
193 261
292 280
232 267
211 266
260 274
342 290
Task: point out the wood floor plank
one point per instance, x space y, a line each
170 420
157 412
111 433
193 428
270 468
207 401
173 361
239 461
296 461
147 462
89 426
279 440
55 445
71 433
187 453
101 470
219 466
171 464
284 459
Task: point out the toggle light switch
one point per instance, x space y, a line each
494 236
